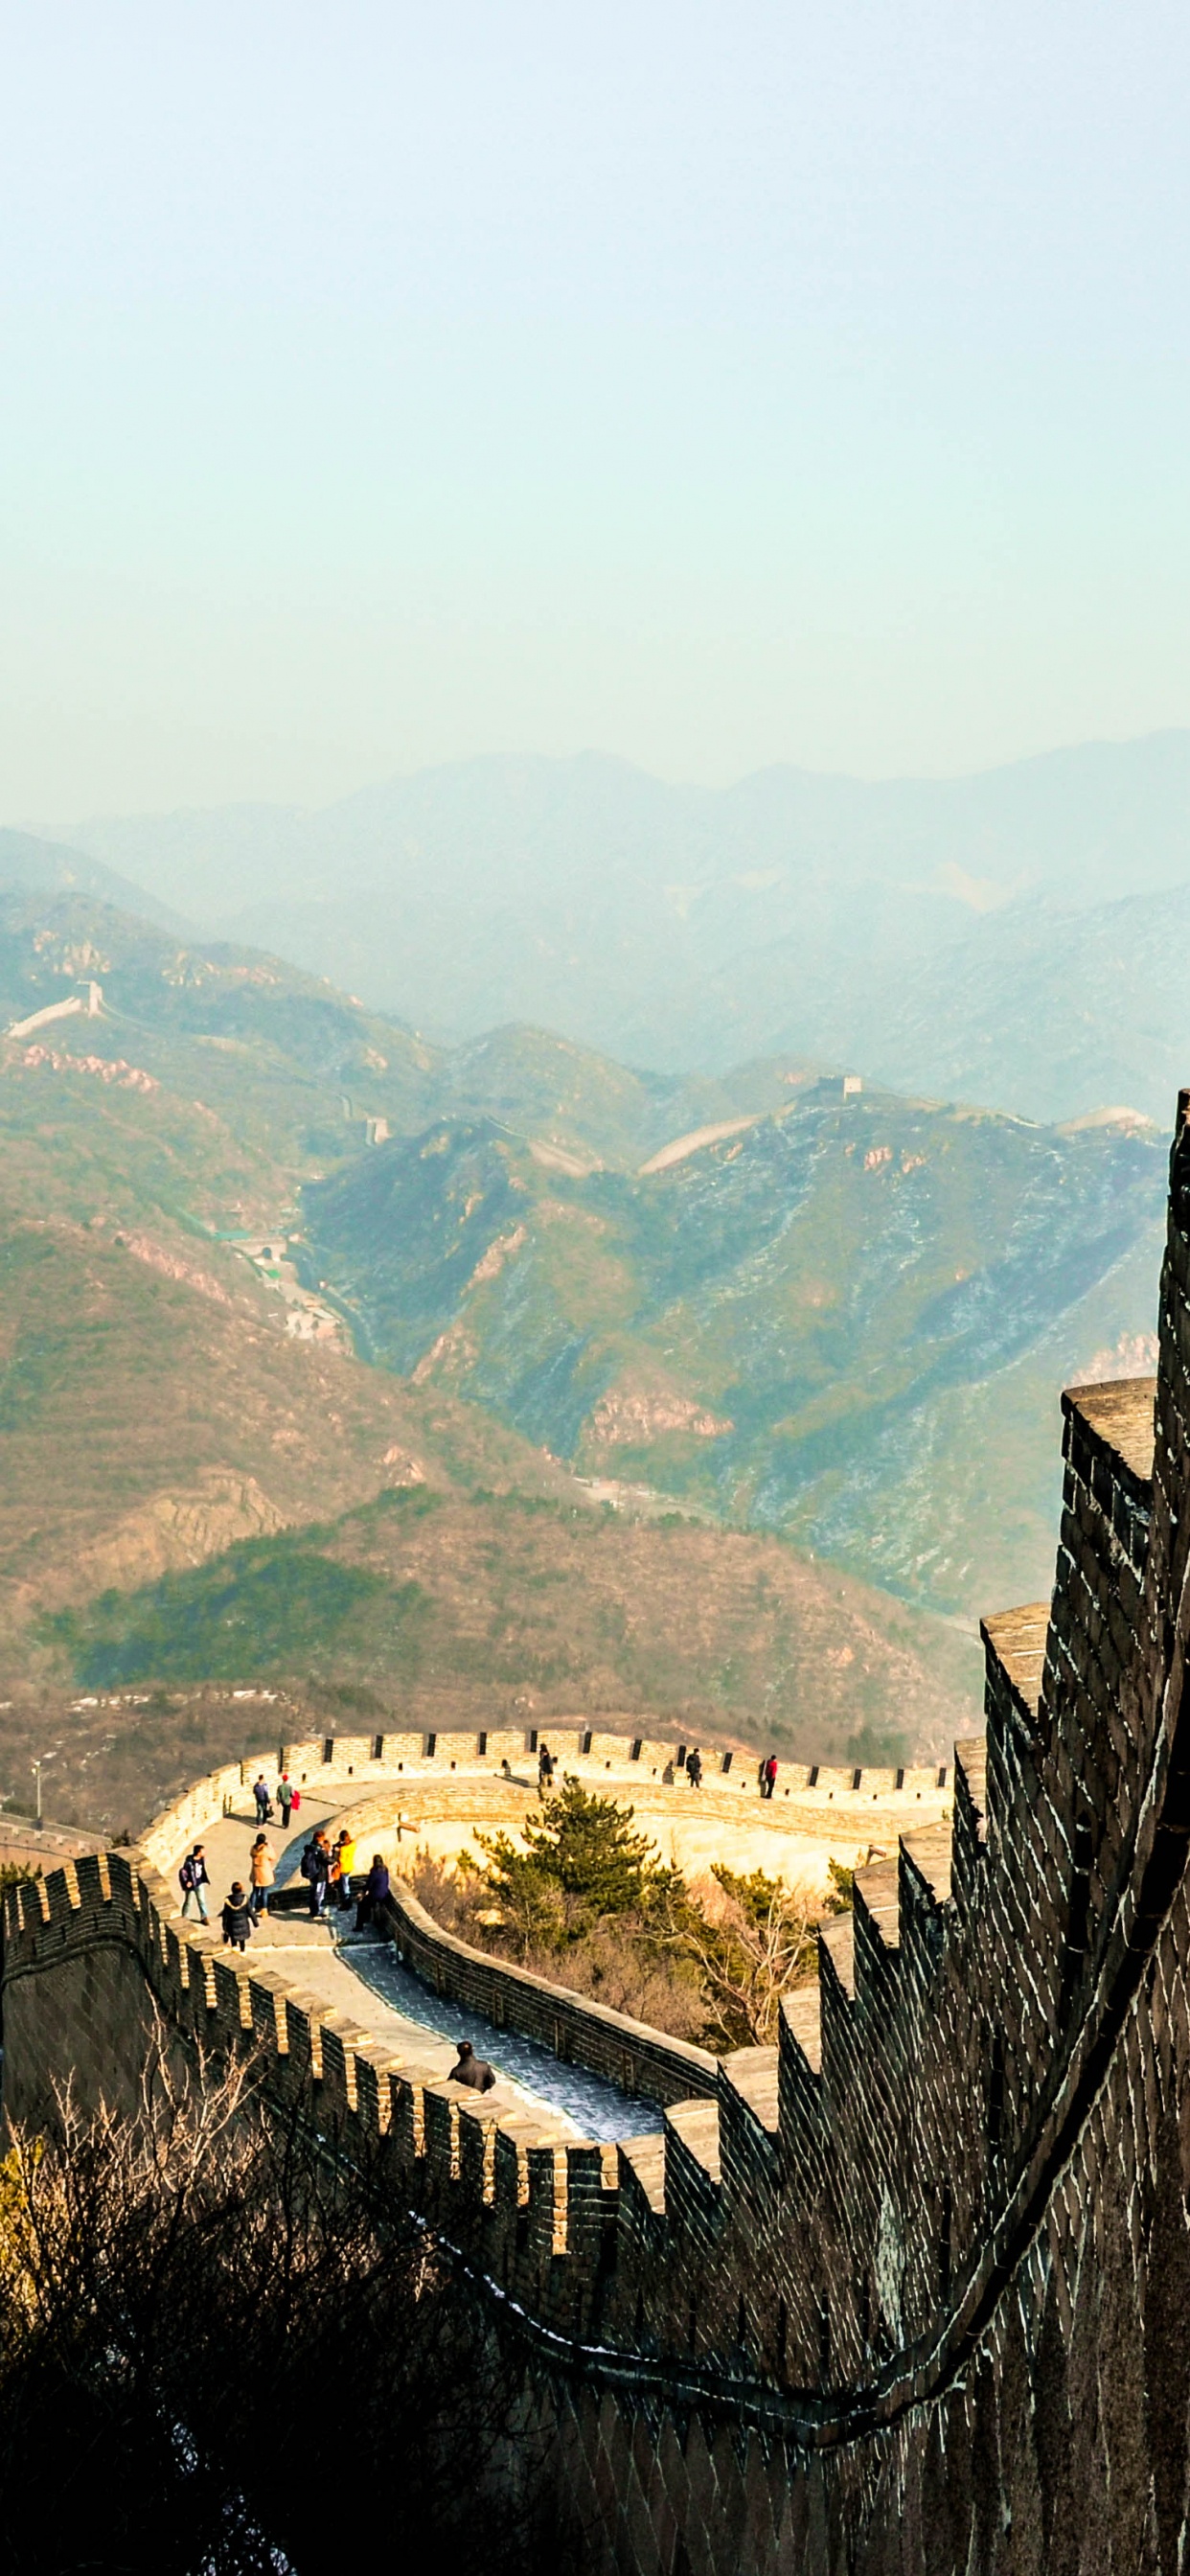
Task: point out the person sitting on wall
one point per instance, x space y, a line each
472 2070
376 1893
194 1882
694 1768
237 1916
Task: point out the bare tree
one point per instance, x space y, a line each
217 2339
752 1942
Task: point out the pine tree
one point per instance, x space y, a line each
581 1850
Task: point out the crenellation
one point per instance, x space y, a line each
512 2165
270 2022
406 2123
303 2022
441 2131
339 2038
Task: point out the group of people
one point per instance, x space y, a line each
287 1797
328 1869
324 1865
241 1906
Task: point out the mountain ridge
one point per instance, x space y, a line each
685 929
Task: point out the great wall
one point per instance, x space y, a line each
908 2292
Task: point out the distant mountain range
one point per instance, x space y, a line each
196 1485
1017 938
760 1298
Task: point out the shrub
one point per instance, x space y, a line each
590 1904
212 2331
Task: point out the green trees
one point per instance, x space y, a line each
588 1899
582 1861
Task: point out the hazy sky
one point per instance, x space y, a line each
714 384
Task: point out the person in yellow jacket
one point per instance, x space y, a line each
342 1866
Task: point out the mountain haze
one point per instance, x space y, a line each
896 925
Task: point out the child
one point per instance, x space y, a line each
237 1917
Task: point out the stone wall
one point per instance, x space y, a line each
910 2292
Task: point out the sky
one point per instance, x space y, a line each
710 384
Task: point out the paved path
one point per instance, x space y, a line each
370 1985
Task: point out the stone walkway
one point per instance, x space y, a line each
369 1985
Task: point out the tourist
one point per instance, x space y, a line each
287 1798
264 1803
770 1776
694 1768
194 1882
263 1874
346 1868
545 1771
472 2070
375 1892
316 1868
237 1916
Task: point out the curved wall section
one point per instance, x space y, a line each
908 2297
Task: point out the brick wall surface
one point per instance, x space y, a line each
906 2295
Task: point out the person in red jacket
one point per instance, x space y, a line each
770 1776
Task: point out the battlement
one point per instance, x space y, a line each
934 2203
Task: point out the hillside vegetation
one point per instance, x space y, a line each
279 1064
785 1325
189 1497
449 1608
